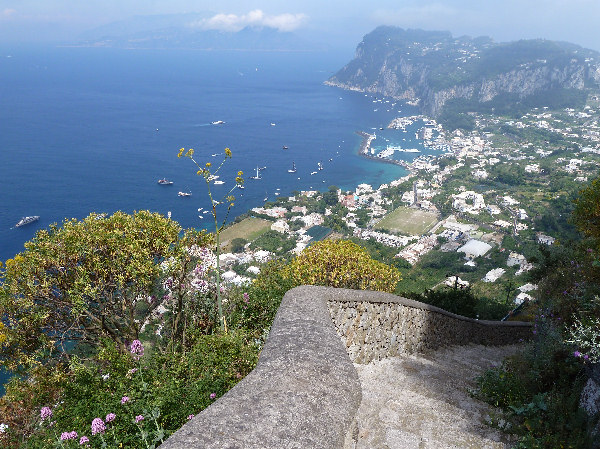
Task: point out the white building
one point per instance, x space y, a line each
493 275
474 248
280 226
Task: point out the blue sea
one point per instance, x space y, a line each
92 130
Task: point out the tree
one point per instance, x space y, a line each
85 281
587 210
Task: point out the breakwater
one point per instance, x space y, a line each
365 147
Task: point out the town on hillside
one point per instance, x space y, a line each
471 215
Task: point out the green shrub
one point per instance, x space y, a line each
341 263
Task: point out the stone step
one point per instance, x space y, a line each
421 401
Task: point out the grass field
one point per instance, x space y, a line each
405 220
249 228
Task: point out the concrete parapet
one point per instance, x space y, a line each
303 393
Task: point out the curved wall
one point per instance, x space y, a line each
304 392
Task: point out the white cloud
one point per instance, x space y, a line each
256 18
7 13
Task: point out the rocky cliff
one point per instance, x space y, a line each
434 67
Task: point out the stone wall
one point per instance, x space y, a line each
375 325
304 392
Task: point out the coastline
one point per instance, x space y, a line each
365 146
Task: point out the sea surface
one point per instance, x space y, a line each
93 129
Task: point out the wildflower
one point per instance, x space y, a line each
132 371
586 357
106 376
110 417
136 349
45 412
213 395
3 427
246 297
83 440
98 426
240 173
181 150
577 354
139 418
227 152
208 164
124 399
68 435
189 153
190 417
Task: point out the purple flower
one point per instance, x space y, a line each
246 297
190 417
139 418
586 357
213 395
45 412
68 435
83 440
98 426
132 371
136 349
124 399
110 417
577 354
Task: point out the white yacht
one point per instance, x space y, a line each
293 169
26 220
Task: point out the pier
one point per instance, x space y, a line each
365 148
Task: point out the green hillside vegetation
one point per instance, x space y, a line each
407 221
249 229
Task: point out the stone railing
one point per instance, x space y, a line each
304 392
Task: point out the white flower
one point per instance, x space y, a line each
3 427
106 376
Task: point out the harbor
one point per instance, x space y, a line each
365 148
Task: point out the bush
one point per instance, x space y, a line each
341 263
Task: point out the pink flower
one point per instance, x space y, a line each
83 440
213 395
124 399
98 426
110 417
190 417
132 371
45 412
246 297
139 418
136 349
68 435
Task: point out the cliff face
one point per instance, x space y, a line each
435 67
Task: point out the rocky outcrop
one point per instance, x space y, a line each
435 68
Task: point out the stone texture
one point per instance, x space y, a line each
422 402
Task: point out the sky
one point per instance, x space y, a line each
344 22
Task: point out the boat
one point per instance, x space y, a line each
219 182
257 174
285 147
320 165
185 194
165 182
26 220
313 172
272 124
293 169
218 122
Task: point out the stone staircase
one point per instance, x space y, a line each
421 401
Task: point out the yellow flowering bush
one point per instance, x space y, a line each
341 263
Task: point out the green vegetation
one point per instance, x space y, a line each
408 221
539 389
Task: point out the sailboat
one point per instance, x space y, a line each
320 165
293 169
257 174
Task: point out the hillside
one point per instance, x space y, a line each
434 67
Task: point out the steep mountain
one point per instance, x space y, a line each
438 69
